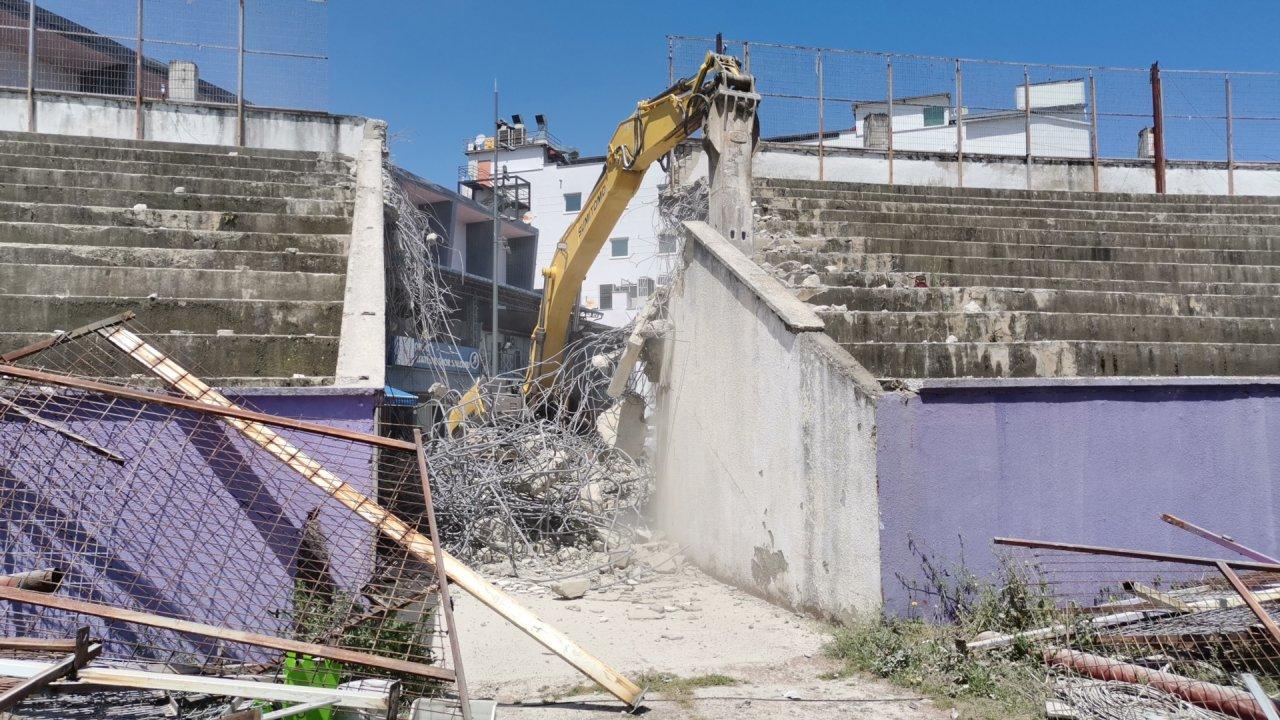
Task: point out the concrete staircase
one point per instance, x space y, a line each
923 282
237 261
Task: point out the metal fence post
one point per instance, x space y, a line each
1093 129
240 81
822 131
1157 125
1231 150
1026 117
889 101
139 131
959 126
31 65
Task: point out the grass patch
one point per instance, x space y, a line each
926 657
681 689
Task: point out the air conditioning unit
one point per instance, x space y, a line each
511 135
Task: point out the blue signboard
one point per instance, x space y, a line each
410 352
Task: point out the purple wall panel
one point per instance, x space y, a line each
1093 464
198 523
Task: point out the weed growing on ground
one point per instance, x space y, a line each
927 655
679 689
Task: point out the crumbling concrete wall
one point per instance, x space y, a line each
766 437
1088 460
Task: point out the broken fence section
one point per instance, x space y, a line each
1118 627
221 517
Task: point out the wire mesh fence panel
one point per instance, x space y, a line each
980 110
14 17
1195 115
286 53
86 46
1107 631
854 86
183 515
191 50
1255 117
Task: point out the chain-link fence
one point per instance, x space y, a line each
971 111
263 53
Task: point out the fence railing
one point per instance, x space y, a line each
230 53
972 110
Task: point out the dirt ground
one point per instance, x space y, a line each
681 622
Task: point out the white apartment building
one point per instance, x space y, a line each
926 123
633 262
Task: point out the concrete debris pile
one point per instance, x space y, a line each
524 482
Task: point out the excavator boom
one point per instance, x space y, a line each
656 127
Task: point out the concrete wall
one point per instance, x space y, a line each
1081 460
800 162
853 165
766 465
197 522
92 116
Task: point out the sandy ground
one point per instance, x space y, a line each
680 622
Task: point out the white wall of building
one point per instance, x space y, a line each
641 267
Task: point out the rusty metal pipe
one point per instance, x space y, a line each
1218 698
38 580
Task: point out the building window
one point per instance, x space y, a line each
606 297
645 286
572 202
618 247
934 116
666 244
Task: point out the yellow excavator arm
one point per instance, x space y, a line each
657 127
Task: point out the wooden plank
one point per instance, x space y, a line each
233 411
386 523
1155 597
110 612
229 687
1251 600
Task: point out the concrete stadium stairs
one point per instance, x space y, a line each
922 282
241 271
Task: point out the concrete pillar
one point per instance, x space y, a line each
875 131
731 134
1146 143
184 81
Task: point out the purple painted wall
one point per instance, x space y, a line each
1089 462
197 522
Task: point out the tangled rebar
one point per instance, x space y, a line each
527 478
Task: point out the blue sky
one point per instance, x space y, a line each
428 67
